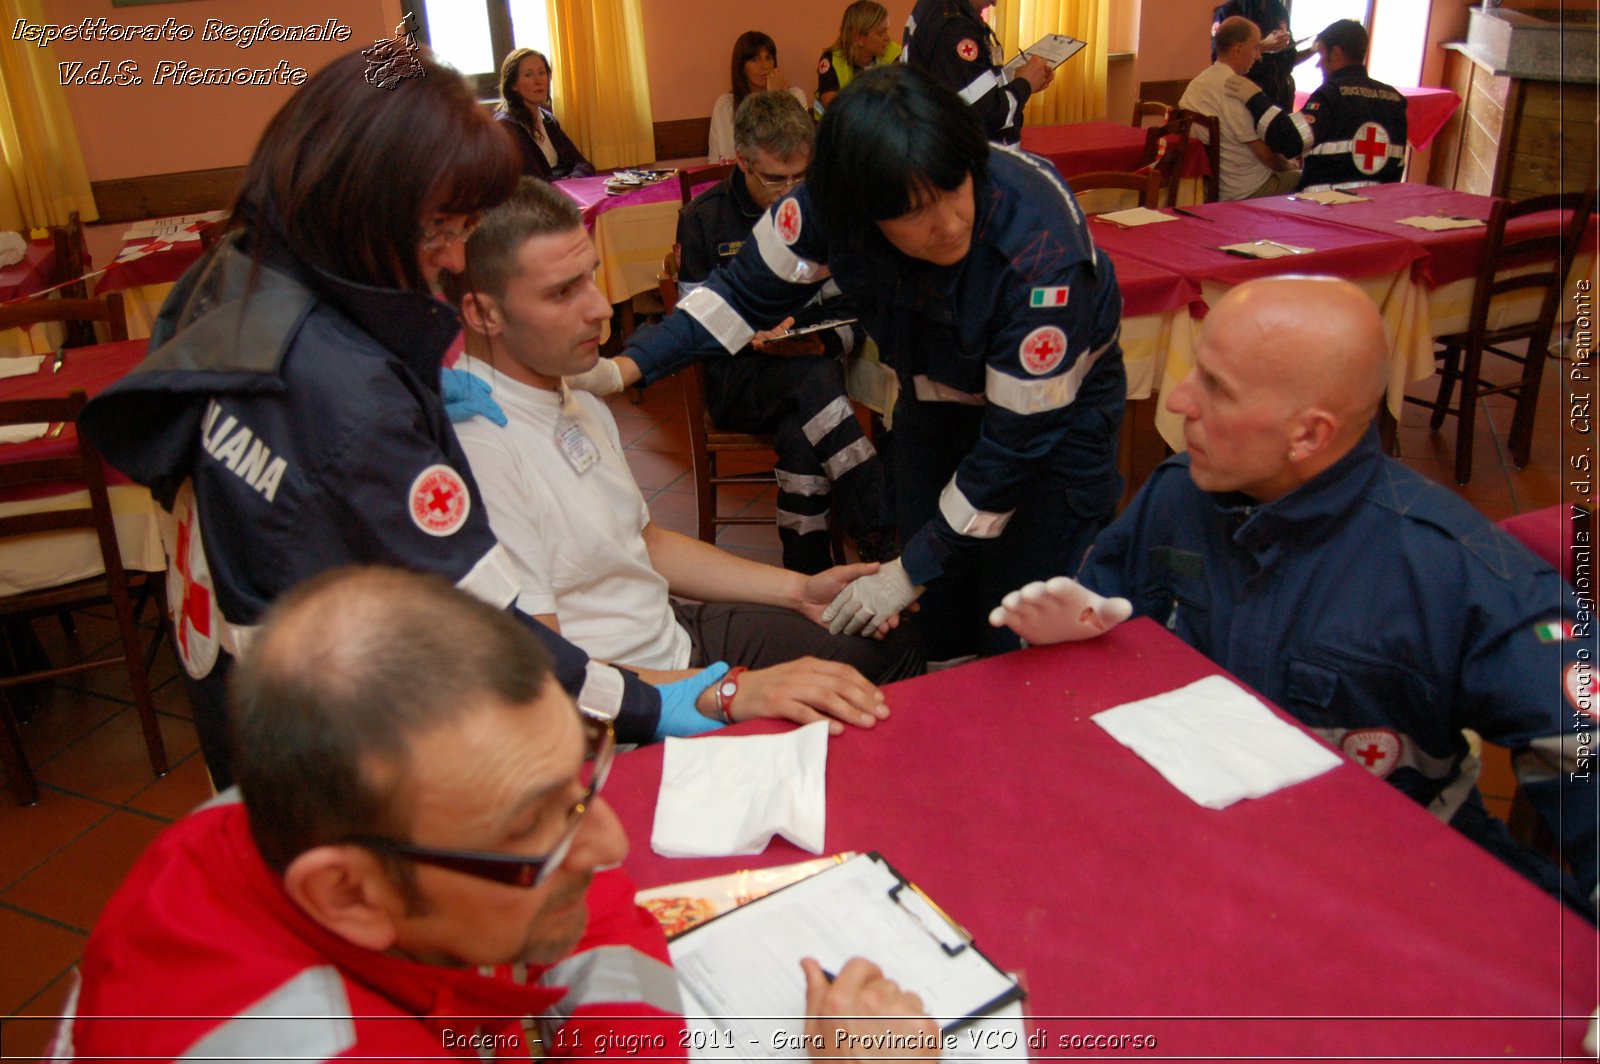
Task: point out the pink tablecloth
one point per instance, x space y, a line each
593 200
1188 246
22 279
1427 110
1148 289
1333 919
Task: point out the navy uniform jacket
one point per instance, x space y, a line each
1385 614
947 39
1352 131
569 160
288 431
1027 323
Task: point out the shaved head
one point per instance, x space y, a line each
1288 375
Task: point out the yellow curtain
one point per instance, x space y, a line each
42 176
602 95
1078 93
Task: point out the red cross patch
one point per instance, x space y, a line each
787 221
1043 349
195 621
822 67
967 49
1376 750
1582 686
439 501
1370 148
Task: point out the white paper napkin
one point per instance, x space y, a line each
1217 743
23 433
723 795
20 366
1266 249
1134 217
1330 197
13 246
1436 223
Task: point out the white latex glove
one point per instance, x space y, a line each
1240 87
1059 611
868 601
604 379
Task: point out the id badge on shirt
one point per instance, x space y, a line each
579 450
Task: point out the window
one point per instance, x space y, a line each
475 35
1307 18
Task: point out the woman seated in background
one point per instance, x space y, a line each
755 69
863 42
547 152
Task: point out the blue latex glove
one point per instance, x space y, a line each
467 396
678 715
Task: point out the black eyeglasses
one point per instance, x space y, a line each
777 182
512 869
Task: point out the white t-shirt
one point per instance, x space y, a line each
574 538
719 148
1242 173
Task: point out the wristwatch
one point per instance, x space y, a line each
726 690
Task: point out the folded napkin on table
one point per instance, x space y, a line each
1330 197
1216 742
20 366
1436 223
723 795
23 433
1134 217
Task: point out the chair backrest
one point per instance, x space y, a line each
1166 145
1541 262
699 177
34 311
80 470
72 257
1143 109
1120 190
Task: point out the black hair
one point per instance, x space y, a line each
1347 35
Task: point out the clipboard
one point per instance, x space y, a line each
821 326
1056 48
741 969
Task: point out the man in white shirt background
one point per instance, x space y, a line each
1249 168
589 561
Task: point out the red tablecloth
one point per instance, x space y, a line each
163 260
1080 147
91 368
1453 254
22 279
1188 246
593 200
1148 289
1427 110
1335 918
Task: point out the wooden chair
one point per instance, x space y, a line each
1145 189
1143 109
706 441
1165 146
1537 265
72 262
86 311
84 471
700 177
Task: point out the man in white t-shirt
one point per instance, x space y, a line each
589 561
1249 167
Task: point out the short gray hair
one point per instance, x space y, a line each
773 122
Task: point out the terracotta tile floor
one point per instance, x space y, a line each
99 806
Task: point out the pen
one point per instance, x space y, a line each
1189 214
829 976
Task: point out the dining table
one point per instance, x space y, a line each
27 277
153 255
1331 919
1428 108
56 558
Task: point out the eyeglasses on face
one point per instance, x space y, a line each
515 870
774 182
436 239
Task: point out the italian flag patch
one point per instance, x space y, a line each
1049 297
1553 631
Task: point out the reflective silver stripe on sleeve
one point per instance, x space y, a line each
612 975
1035 396
1011 110
827 419
685 287
1302 127
801 483
1266 120
802 523
931 391
967 519
307 1018
602 690
781 259
1345 147
830 289
980 86
705 306
847 338
492 579
847 458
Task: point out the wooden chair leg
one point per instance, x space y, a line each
1520 440
1388 429
1449 371
15 759
139 678
1467 414
705 499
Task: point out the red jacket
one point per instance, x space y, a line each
200 953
